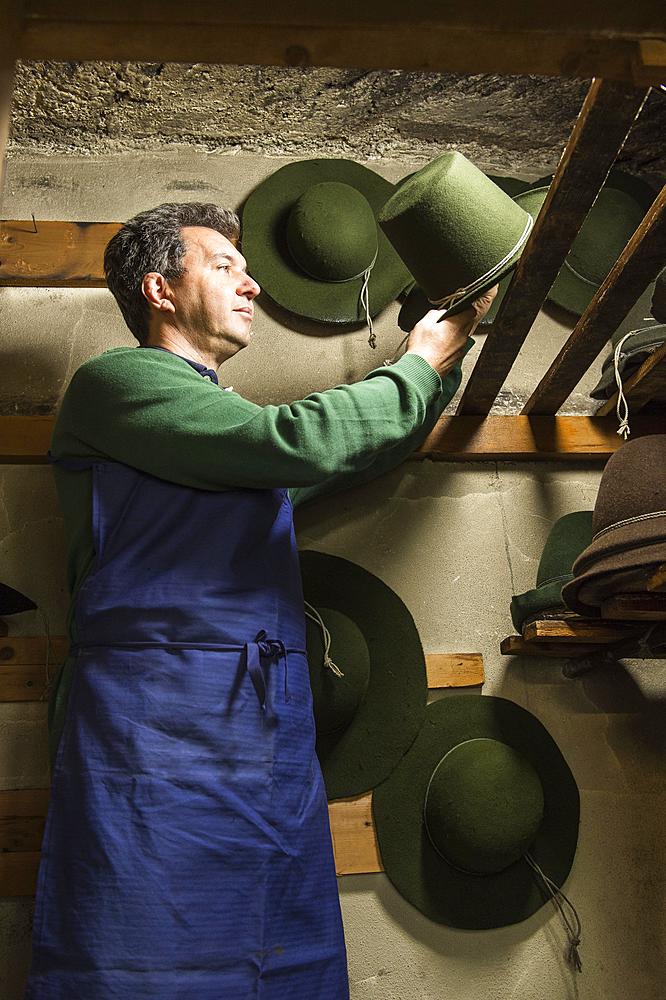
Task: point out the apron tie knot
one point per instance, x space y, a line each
263 649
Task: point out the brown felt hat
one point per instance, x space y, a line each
628 523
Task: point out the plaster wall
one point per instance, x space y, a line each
454 540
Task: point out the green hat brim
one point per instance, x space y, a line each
417 304
390 715
419 873
264 220
547 597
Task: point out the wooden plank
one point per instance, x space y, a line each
21 833
640 262
23 802
646 385
607 114
353 833
657 580
31 649
650 61
635 608
25 440
54 254
447 670
23 667
572 39
579 630
515 645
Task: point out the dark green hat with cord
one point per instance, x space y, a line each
567 539
632 349
13 602
478 823
456 230
367 672
608 227
658 305
312 242
417 304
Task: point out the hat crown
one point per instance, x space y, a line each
633 483
566 540
452 225
484 806
336 699
610 222
332 233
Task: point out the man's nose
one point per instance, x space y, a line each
250 289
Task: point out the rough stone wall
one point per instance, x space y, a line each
517 122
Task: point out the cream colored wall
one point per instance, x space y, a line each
455 541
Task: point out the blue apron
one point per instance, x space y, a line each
187 851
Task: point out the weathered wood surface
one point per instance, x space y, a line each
568 39
575 630
515 645
25 440
647 385
648 607
23 667
607 114
353 833
54 254
657 580
640 262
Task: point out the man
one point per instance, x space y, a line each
187 850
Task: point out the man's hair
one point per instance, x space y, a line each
152 241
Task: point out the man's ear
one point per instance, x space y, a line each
156 291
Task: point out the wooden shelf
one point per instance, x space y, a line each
607 38
635 608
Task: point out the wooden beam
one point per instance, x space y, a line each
23 667
640 262
575 630
10 31
354 838
515 645
54 254
646 385
25 440
607 114
657 580
571 39
648 607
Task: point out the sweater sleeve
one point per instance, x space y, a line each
152 411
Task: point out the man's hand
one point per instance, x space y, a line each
442 341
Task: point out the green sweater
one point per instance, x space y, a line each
151 410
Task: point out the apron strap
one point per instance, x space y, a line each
256 655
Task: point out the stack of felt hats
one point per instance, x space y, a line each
568 537
629 528
475 808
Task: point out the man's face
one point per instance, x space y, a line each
214 297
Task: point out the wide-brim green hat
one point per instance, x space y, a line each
457 231
566 540
13 602
417 303
637 347
608 227
367 718
658 304
482 787
310 237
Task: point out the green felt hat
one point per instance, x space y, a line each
567 539
658 305
638 346
483 788
608 227
368 717
310 235
458 232
417 304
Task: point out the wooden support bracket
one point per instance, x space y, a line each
607 114
640 262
